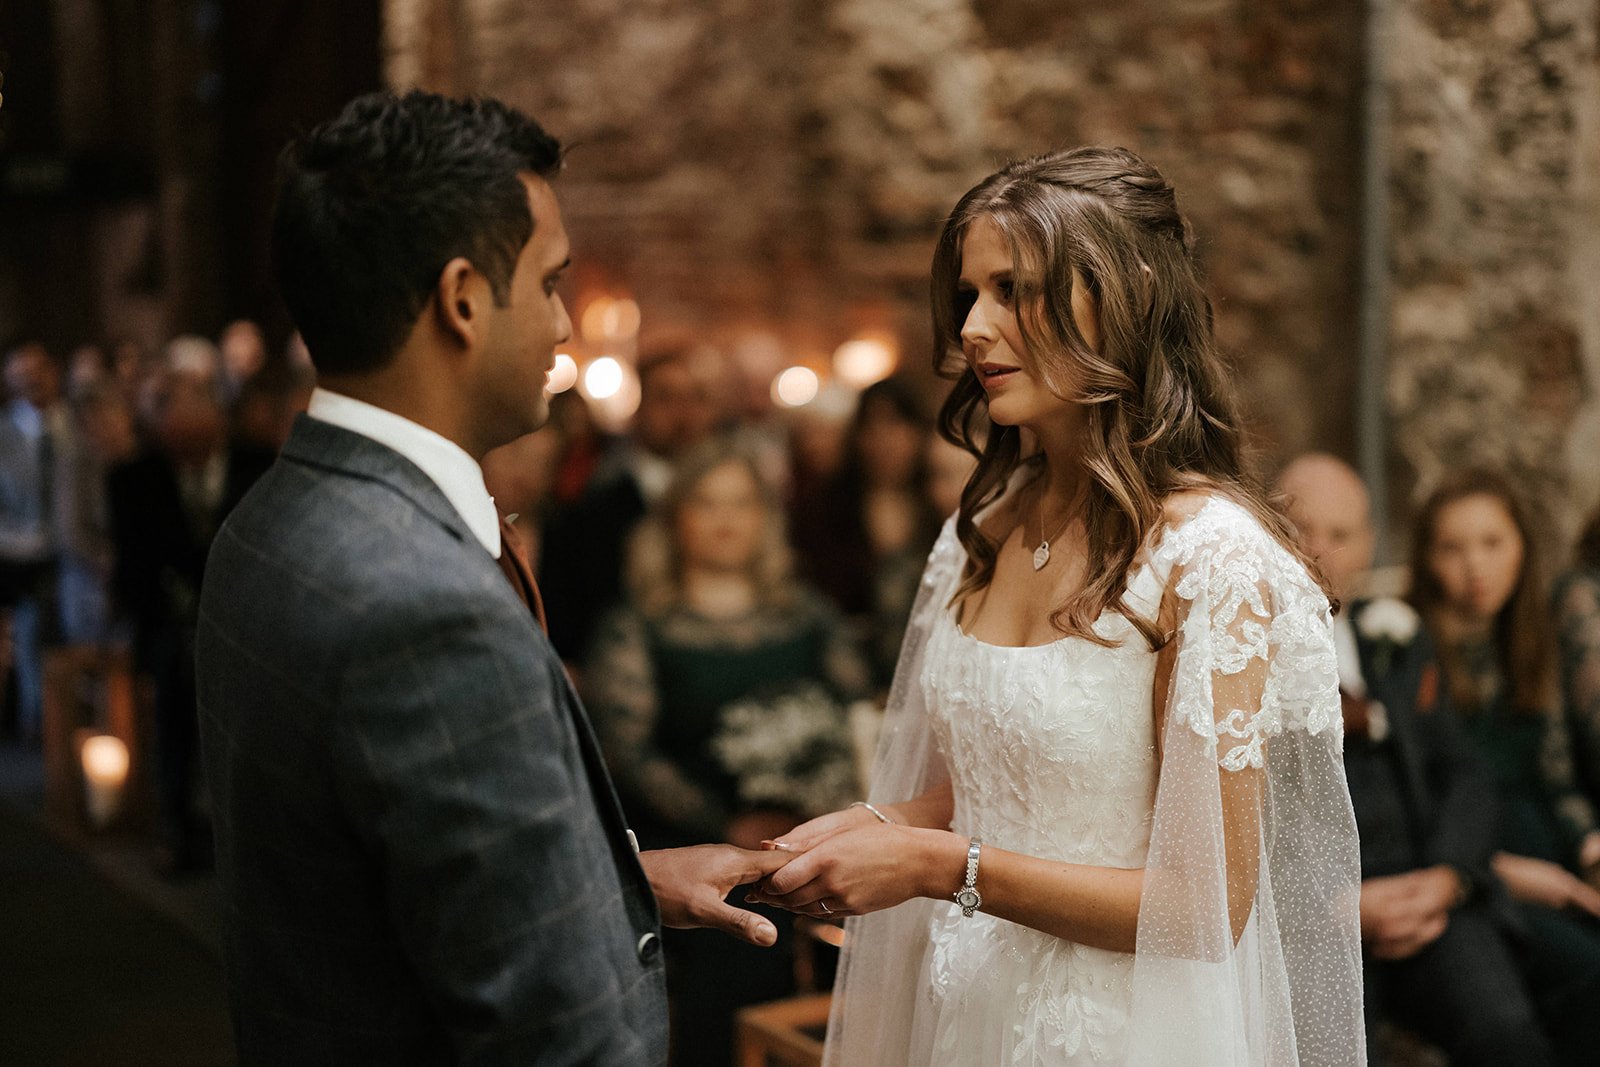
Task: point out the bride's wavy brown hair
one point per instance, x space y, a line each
1161 418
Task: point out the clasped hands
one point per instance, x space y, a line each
841 864
851 863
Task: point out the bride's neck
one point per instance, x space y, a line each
1063 483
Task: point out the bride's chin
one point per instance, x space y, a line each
999 415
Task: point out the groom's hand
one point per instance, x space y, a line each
690 884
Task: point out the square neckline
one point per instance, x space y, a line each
1148 557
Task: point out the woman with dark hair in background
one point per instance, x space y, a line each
1577 611
1476 581
716 620
863 536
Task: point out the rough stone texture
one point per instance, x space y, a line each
779 167
782 167
1495 326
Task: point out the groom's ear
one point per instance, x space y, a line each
460 301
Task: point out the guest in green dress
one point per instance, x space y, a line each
716 619
1577 610
1476 581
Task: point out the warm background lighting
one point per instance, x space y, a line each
105 770
795 387
602 379
606 319
861 362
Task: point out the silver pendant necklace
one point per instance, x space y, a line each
1041 555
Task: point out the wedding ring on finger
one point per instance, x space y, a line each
823 904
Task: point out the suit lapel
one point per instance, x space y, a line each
1396 691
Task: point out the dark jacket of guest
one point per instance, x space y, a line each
1577 607
420 853
1421 789
160 548
582 560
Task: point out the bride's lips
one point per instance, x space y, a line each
992 375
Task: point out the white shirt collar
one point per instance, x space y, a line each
1349 653
457 474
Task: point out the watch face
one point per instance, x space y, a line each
968 899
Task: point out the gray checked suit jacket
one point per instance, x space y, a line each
421 855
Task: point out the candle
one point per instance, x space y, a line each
105 770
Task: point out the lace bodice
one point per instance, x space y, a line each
1050 748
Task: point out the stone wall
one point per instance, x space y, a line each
778 167
1495 330
782 167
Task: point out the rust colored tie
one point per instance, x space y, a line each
514 564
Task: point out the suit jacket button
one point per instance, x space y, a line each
649 948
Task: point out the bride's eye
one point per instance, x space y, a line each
966 296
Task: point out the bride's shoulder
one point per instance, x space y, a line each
1208 522
1206 512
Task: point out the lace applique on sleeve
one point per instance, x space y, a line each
1255 651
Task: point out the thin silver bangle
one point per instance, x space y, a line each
881 816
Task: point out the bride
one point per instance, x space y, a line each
1109 820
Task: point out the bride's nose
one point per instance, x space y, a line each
978 333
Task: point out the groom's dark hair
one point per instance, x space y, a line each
372 205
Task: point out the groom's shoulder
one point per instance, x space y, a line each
342 544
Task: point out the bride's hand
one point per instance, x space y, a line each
866 869
808 835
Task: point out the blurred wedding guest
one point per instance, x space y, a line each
194 357
268 401
36 445
1475 578
243 352
87 367
519 477
1447 954
165 507
863 537
949 467
128 365
818 432
716 619
581 575
106 437
1577 611
583 446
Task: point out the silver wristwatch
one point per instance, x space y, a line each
968 896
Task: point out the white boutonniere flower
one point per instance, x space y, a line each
1389 625
1388 620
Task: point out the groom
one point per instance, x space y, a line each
422 857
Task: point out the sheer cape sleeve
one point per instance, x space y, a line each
880 972
1249 944
1248 948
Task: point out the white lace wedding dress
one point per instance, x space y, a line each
1052 751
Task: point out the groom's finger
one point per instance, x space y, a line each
745 925
754 866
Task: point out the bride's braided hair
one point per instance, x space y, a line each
1161 416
